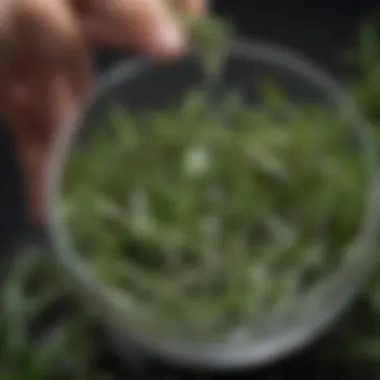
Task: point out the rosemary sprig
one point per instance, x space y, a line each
216 201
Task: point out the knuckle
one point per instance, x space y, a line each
45 28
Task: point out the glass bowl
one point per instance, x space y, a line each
144 85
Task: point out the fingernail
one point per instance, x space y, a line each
169 41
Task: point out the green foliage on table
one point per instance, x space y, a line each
31 289
366 58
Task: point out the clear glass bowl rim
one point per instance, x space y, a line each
345 283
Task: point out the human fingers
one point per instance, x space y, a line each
150 26
48 69
33 131
46 43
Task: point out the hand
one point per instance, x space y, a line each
45 63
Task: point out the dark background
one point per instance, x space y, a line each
321 30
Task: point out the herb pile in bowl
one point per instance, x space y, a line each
204 221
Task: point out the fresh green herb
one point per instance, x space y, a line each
30 290
353 346
366 59
207 224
